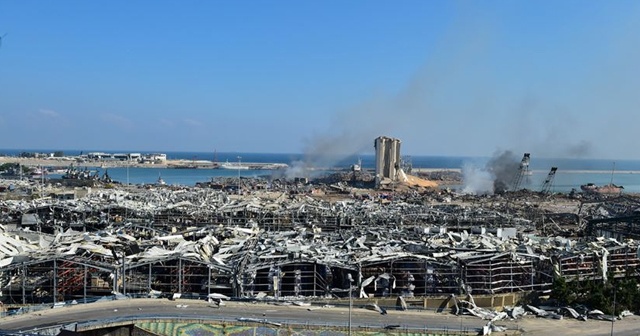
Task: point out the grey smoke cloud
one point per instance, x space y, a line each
477 180
353 130
409 111
503 166
497 175
530 129
462 103
581 149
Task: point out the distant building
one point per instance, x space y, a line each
98 156
101 156
154 157
120 156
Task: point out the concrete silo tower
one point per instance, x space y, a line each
387 160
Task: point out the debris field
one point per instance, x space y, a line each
253 238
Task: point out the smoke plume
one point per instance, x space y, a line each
497 176
477 181
353 131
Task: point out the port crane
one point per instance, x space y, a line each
548 182
522 171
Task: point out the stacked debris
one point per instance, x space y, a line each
271 243
442 176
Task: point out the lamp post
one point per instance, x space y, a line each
127 172
239 181
613 313
114 251
350 278
124 275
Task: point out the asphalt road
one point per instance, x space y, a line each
423 320
163 308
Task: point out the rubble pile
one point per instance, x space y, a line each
448 176
362 177
262 240
579 312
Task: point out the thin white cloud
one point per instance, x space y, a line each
117 120
193 122
49 113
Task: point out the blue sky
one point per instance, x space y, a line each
554 78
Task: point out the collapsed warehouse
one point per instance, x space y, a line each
280 244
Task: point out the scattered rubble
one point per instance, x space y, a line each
295 240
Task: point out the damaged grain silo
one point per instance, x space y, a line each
387 160
389 172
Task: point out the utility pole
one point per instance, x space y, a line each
124 275
613 313
41 181
239 180
350 278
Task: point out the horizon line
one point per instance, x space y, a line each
49 150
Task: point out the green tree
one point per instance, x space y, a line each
627 295
599 298
597 294
560 291
7 166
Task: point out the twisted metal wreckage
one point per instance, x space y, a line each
199 241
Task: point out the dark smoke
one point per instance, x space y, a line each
582 149
327 150
503 167
354 130
497 176
403 112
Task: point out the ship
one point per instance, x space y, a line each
37 173
609 189
160 181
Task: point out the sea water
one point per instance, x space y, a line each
571 173
563 181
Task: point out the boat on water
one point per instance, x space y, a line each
160 181
608 189
234 166
38 172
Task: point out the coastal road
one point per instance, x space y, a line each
423 320
197 309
